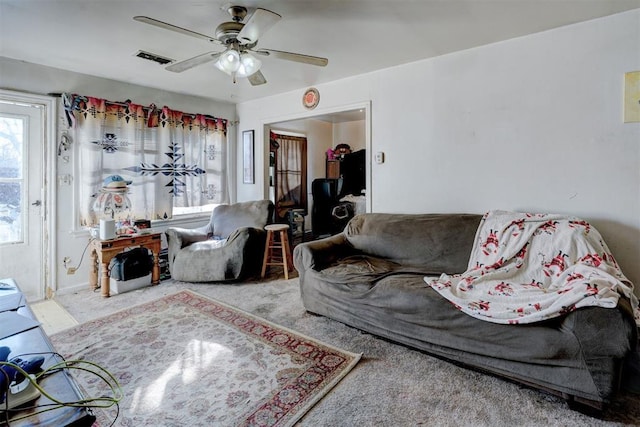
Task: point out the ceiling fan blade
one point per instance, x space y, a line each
259 23
297 57
181 66
175 28
257 78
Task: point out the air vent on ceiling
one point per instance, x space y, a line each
153 57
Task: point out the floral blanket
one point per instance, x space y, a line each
526 268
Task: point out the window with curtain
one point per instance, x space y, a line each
291 173
137 162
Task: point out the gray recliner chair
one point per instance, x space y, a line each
229 248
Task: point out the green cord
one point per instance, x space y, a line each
105 402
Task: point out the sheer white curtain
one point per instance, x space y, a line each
197 149
165 154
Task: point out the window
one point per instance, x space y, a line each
140 162
12 185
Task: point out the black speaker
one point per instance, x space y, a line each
326 194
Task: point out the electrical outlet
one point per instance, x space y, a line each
71 270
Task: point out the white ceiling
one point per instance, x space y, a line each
100 38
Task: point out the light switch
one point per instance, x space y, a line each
379 157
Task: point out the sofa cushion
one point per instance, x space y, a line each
437 242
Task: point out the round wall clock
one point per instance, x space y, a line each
311 98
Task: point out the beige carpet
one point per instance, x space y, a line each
391 385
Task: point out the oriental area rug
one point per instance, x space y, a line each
188 360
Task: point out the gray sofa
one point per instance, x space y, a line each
371 277
228 248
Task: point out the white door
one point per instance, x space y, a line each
21 189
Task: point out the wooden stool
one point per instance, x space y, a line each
277 252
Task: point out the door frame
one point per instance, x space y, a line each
48 214
365 105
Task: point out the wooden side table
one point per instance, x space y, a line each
102 251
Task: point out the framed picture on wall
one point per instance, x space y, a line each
248 163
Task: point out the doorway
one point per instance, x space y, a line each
24 129
325 131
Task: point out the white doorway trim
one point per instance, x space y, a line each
364 105
48 254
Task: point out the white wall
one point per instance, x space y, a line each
26 77
351 133
319 140
533 123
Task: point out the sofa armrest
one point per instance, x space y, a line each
606 337
246 241
601 330
247 245
321 253
178 238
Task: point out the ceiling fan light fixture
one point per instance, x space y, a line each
249 64
229 61
239 38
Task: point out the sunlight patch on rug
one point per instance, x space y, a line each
186 359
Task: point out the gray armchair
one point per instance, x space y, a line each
229 248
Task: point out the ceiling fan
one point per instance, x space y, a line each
240 40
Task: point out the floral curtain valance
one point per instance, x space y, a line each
77 106
166 157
